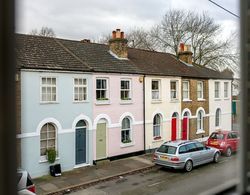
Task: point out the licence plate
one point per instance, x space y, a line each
164 157
214 143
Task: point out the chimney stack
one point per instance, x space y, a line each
185 53
118 44
85 41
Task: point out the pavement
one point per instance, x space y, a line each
84 177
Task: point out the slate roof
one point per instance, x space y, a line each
36 52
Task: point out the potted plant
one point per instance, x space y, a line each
55 170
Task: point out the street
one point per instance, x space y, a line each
165 181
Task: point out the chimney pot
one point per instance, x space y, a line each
113 34
122 35
181 46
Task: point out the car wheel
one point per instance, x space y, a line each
188 166
228 152
216 157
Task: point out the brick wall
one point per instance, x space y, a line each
194 105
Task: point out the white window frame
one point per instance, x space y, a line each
157 125
226 91
156 90
176 90
107 89
129 90
47 86
128 129
215 90
43 158
185 90
200 91
218 117
200 121
80 86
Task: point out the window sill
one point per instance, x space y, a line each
56 102
217 99
102 102
200 131
124 102
79 102
174 101
156 101
227 98
201 100
157 140
124 145
187 100
44 160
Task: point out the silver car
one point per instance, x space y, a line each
181 154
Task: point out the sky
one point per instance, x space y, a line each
91 19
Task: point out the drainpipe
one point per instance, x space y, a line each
144 117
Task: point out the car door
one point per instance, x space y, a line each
193 153
203 155
230 141
234 140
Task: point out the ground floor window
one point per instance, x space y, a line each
157 126
47 138
126 131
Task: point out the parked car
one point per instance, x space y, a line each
181 154
25 184
226 141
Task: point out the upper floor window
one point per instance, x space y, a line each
80 89
101 89
48 89
185 90
217 117
200 120
126 89
217 89
173 90
200 90
157 126
226 89
126 131
47 138
155 89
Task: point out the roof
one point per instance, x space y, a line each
37 52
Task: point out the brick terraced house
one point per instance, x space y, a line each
93 101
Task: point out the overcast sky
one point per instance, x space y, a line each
79 19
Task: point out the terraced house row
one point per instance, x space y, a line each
93 101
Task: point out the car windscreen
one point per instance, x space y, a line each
217 136
167 149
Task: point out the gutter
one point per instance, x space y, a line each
144 117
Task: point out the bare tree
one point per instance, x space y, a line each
202 33
44 31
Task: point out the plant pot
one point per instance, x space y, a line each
55 170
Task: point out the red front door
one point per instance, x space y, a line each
173 129
184 128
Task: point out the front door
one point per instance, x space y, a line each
101 141
174 129
184 128
80 145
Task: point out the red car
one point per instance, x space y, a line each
226 141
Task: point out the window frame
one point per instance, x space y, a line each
46 86
201 91
157 125
107 89
226 89
187 90
43 158
176 90
215 90
200 121
156 90
78 86
218 118
129 90
127 129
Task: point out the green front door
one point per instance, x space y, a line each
101 141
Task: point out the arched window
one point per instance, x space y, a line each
157 125
47 138
200 120
217 117
126 131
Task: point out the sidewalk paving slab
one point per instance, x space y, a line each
86 176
